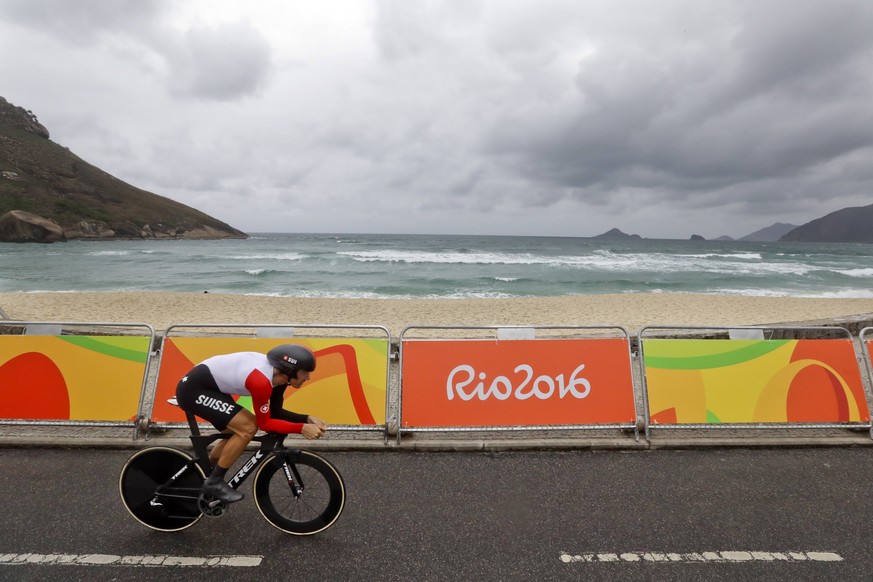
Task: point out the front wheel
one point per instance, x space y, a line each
307 503
161 508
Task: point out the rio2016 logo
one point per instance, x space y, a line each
542 387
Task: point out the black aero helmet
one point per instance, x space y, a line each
289 358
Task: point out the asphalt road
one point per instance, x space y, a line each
714 514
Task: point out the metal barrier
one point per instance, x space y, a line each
361 363
865 336
515 379
74 373
797 377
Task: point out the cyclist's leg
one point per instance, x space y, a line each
197 393
243 427
215 453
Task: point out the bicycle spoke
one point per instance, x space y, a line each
317 506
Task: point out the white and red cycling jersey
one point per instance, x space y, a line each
251 374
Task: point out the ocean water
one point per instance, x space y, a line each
406 266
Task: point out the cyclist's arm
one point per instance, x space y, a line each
310 426
277 399
261 389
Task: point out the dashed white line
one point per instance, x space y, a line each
731 556
113 560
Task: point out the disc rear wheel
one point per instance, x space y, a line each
172 508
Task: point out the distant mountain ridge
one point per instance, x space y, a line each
846 225
850 225
771 233
49 194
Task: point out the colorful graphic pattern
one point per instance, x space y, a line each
753 381
86 378
348 386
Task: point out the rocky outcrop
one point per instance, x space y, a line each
45 187
86 229
616 234
21 118
19 226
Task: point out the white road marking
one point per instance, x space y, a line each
113 560
712 557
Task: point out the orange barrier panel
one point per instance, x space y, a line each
73 378
481 383
348 386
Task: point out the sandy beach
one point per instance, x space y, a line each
632 311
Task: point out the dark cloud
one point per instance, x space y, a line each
221 63
787 92
803 47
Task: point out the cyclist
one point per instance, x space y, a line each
206 392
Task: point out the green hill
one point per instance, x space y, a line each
47 193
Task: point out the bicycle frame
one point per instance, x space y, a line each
270 443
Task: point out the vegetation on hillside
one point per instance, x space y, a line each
43 178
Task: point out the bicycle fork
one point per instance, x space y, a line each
293 476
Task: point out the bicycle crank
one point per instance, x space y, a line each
211 506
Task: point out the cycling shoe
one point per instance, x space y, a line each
221 490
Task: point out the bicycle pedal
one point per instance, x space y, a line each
211 506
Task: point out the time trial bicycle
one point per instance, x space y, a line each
297 491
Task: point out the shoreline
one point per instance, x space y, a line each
632 311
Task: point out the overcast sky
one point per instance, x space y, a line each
661 118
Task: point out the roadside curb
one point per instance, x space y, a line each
472 445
